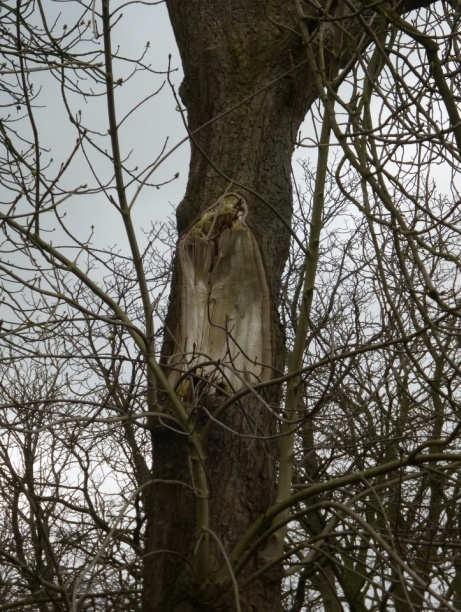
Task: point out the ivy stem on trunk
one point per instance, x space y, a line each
155 373
293 411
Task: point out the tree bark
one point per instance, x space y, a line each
230 50
246 90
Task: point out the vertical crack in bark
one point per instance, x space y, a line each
225 301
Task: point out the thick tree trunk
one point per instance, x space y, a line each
246 91
223 307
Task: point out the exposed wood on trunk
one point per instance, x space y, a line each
225 322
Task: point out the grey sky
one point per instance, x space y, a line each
143 135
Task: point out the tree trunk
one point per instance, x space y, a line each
246 91
230 257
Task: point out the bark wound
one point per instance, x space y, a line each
225 300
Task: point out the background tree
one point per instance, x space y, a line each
302 414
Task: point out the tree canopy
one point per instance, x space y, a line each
257 408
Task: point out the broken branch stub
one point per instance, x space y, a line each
225 302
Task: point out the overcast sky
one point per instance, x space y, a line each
143 135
